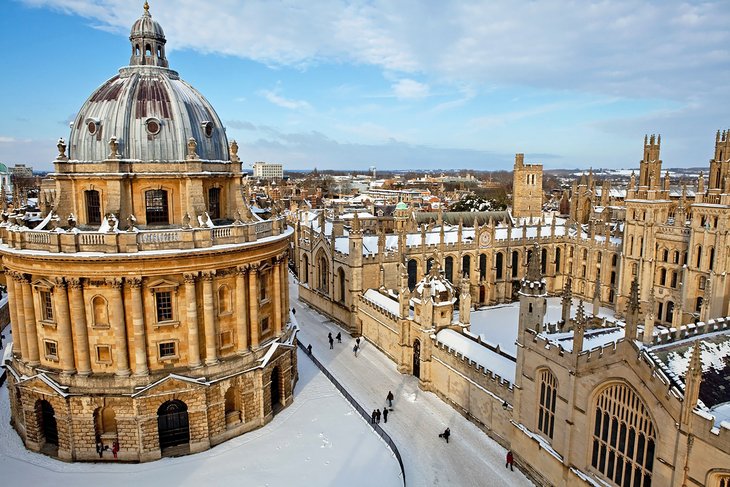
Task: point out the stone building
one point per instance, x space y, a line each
527 194
149 308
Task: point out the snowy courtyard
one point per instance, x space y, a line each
318 441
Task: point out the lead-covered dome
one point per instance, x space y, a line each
148 109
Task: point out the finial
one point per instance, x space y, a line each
695 362
146 8
61 148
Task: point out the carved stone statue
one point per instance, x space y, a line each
192 148
113 148
61 149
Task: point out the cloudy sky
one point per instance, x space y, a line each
395 84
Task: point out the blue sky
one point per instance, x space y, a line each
406 84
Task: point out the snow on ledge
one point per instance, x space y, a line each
494 362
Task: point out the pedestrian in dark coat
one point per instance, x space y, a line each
389 397
445 435
332 342
385 415
100 448
357 340
355 349
309 349
339 337
293 311
115 448
510 458
372 416
377 415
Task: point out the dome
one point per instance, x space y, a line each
401 206
148 109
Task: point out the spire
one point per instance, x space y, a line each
695 362
692 382
632 311
566 302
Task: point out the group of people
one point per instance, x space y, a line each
332 340
376 414
101 448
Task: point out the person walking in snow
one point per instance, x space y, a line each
445 435
377 415
309 349
372 416
510 458
355 349
293 311
115 449
339 337
389 397
385 415
357 340
100 448
331 340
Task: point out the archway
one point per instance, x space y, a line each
47 422
417 359
172 424
482 294
275 390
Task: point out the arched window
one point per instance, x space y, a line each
147 50
641 246
711 264
101 311
156 207
466 265
412 274
214 203
515 262
699 255
630 248
224 300
722 480
674 280
323 281
698 305
341 282
499 263
624 437
665 255
543 261
93 207
662 277
305 270
136 50
613 277
634 269
598 257
670 312
675 257
449 268
546 409
614 260
557 260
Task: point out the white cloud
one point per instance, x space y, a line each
274 97
408 89
7 140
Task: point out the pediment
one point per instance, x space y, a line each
170 384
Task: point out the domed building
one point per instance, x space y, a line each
149 308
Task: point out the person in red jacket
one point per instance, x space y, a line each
509 460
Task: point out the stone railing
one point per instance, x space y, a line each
56 241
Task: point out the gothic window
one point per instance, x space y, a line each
675 257
557 260
624 438
499 263
156 207
598 257
323 283
515 262
613 277
665 255
546 410
662 277
305 269
711 264
163 304
93 207
674 279
670 311
341 281
543 261
583 271
641 246
585 254
466 265
449 268
698 305
614 260
723 481
699 255
412 274
634 269
214 203
611 295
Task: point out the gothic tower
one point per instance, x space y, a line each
533 294
526 189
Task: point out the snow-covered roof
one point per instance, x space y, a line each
496 363
386 302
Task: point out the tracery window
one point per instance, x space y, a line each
546 410
624 438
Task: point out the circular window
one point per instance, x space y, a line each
92 126
153 126
208 129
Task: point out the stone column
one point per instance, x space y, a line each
277 297
211 348
119 327
285 286
30 332
138 325
241 309
253 304
15 301
192 318
78 320
65 337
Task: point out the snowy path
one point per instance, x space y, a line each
470 459
320 440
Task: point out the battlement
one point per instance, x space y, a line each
652 141
690 330
378 307
495 380
723 136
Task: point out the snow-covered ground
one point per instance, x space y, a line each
497 325
470 459
319 440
